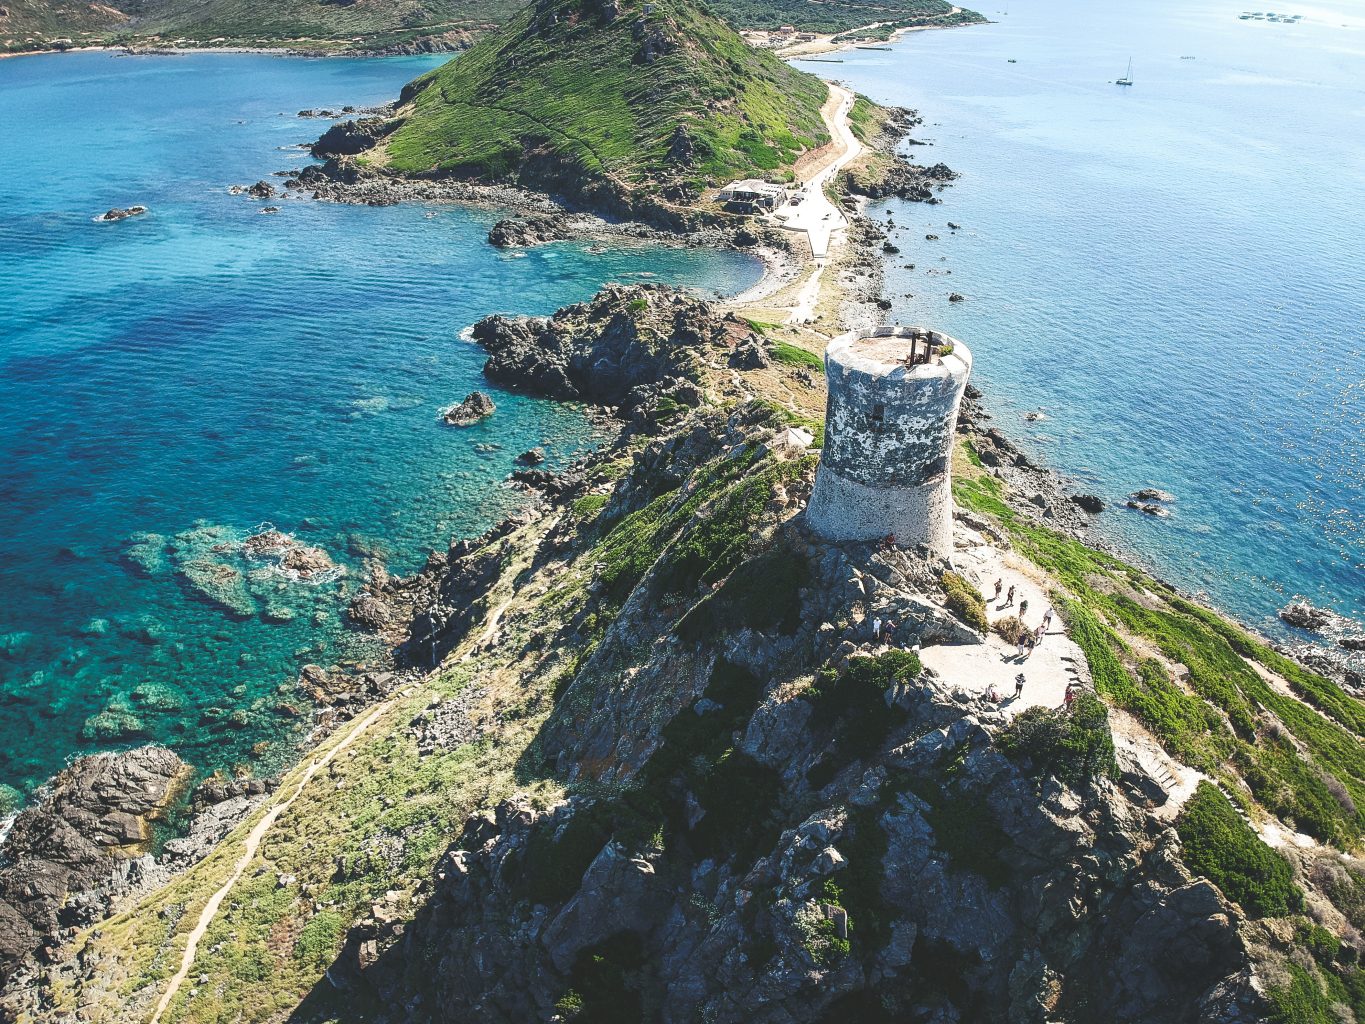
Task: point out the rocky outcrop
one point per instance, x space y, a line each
351 137
530 230
122 213
901 179
476 406
93 814
620 349
875 892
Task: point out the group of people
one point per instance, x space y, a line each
883 632
1028 638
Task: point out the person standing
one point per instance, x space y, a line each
1018 686
998 584
888 631
1023 609
1047 618
1009 596
1020 646
877 630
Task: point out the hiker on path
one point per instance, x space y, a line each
1023 609
1070 694
1028 645
1047 618
877 629
1020 647
1018 686
1009 596
888 631
1038 635
992 694
998 584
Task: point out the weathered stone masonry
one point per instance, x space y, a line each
889 431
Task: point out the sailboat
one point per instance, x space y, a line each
1128 78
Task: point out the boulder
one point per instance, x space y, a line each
1089 502
476 406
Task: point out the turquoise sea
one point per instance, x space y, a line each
1173 272
170 382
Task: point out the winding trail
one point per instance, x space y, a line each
820 219
253 842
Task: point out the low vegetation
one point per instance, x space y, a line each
1222 847
658 92
1073 744
965 601
1206 696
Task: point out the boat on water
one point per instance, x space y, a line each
1128 78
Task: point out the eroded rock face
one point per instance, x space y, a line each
606 350
1081 911
96 813
351 137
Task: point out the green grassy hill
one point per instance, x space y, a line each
620 93
378 24
316 24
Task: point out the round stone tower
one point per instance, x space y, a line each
889 428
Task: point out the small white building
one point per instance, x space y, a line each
752 196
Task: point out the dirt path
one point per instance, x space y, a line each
253 843
822 221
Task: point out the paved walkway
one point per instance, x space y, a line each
1054 662
814 214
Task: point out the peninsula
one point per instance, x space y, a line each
691 736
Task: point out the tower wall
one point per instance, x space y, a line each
889 432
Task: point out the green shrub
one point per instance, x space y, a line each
854 702
965 601
1223 848
1073 745
320 939
793 355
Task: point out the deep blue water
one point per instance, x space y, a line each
207 368
1173 272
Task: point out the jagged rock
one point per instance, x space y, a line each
369 611
1151 494
352 137
1303 615
1090 502
749 355
956 297
476 406
93 813
604 351
531 457
530 230
123 213
262 190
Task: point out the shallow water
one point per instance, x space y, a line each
205 368
1172 272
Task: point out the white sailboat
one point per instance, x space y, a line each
1128 78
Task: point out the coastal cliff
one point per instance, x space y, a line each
664 768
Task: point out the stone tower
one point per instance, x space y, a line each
889 430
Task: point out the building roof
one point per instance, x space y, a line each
765 188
